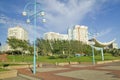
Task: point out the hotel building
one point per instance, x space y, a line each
18 33
79 33
55 36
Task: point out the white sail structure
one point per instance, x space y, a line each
98 43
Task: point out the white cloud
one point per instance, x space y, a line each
3 19
100 34
103 32
61 15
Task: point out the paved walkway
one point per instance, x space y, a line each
109 71
16 78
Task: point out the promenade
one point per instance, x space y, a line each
109 71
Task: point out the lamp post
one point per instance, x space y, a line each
33 15
101 49
93 55
102 54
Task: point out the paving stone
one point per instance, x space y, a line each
111 67
49 69
16 78
89 75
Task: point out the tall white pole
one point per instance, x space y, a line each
102 54
93 55
34 58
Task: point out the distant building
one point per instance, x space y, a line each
18 33
79 33
55 36
70 34
63 37
115 45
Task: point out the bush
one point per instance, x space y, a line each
52 57
5 65
71 56
63 56
16 52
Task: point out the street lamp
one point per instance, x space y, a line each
24 13
30 16
93 55
28 20
102 54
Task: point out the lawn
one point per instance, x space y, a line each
20 58
2 69
25 58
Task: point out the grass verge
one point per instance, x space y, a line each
25 58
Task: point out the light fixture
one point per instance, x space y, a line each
42 13
24 13
28 21
43 20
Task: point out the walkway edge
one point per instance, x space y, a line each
28 77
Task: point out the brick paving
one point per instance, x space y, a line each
109 71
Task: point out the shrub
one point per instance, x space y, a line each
62 56
5 65
52 57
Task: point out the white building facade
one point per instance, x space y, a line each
115 45
55 36
79 33
18 33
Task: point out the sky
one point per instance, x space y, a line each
101 17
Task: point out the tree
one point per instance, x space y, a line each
58 47
30 49
13 43
115 52
17 44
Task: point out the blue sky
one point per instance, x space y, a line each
101 17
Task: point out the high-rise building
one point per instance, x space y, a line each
18 33
55 36
115 45
63 37
79 33
70 35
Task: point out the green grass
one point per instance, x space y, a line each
2 69
6 64
25 58
19 58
